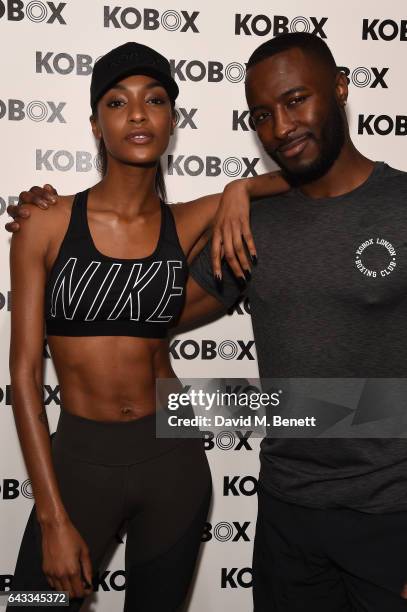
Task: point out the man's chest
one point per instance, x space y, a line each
358 259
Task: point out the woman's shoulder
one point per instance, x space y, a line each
45 225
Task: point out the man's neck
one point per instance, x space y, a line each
349 171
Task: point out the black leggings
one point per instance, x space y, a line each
116 474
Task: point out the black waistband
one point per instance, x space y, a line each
110 442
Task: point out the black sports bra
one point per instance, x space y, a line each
91 294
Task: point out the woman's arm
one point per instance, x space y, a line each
199 307
28 277
228 214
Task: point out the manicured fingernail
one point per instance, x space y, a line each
247 274
241 281
254 259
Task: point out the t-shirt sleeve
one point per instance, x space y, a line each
201 271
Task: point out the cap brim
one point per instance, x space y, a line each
167 81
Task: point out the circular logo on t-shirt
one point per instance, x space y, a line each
376 257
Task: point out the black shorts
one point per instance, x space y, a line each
311 560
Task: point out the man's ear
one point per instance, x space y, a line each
341 89
95 127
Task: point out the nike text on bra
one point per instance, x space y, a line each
90 294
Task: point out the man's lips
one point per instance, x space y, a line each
294 147
140 137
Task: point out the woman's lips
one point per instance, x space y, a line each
295 147
139 137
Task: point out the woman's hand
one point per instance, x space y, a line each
66 560
232 237
42 197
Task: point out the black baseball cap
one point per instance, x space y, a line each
126 60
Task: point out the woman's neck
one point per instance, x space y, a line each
130 190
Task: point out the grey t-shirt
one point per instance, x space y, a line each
325 305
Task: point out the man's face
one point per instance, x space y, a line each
295 105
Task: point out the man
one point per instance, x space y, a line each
331 533
332 524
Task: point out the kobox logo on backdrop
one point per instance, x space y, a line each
226 532
239 485
11 488
384 29
4 202
35 11
110 581
5 301
186 118
36 110
210 349
383 125
51 395
63 63
62 161
365 77
266 25
213 71
241 308
227 440
211 165
241 121
131 18
233 578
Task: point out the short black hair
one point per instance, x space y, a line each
309 43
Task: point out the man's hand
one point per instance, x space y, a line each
232 236
403 593
43 197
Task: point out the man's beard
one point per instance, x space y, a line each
331 142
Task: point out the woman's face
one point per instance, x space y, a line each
135 119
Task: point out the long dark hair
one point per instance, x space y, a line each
159 177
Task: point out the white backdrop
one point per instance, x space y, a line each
47 51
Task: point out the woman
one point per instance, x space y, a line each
106 270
